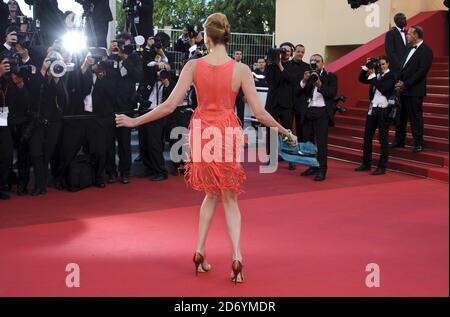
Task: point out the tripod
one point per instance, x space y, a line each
130 21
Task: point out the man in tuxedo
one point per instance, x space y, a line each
382 85
299 67
279 101
51 18
396 43
413 88
317 112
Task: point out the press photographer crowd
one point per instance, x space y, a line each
57 106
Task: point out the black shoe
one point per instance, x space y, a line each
100 184
379 171
321 176
112 178
125 179
418 149
4 196
59 184
363 168
138 159
292 167
38 192
396 145
159 178
22 191
310 171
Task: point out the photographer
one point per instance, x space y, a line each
19 118
50 17
128 74
95 98
6 142
157 66
50 98
279 98
319 89
259 74
14 12
377 74
240 104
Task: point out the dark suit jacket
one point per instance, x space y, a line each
145 26
385 85
328 90
51 18
298 71
415 72
280 87
102 11
395 49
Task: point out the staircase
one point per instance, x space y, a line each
346 138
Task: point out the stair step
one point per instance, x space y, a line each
430 143
440 66
437 98
428 107
440 59
432 119
439 159
414 168
432 131
442 81
438 73
435 89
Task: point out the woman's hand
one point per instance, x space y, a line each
123 121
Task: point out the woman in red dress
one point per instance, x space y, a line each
215 166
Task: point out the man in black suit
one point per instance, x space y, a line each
317 111
413 88
299 67
101 16
382 85
51 18
279 101
240 104
396 43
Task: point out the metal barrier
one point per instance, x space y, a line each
254 46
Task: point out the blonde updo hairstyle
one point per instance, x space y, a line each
218 29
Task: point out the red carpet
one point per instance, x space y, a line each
300 238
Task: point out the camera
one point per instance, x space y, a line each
15 64
314 72
274 55
374 63
125 48
339 108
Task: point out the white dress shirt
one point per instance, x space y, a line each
156 95
88 104
317 99
411 53
402 34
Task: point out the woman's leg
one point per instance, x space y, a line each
233 216
206 214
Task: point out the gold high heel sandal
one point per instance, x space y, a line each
198 262
237 276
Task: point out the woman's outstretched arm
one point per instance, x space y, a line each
167 107
261 114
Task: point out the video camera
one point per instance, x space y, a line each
274 55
